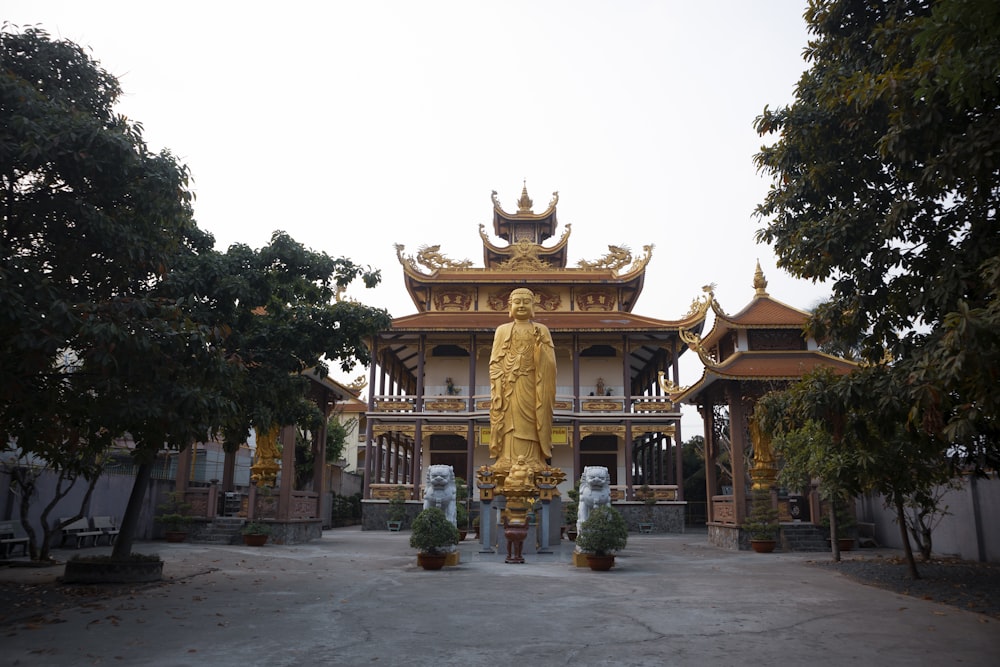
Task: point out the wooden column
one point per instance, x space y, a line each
710 452
418 452
678 441
737 437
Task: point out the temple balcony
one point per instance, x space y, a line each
566 404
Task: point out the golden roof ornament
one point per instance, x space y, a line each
524 203
759 282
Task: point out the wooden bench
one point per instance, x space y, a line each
106 525
79 530
12 537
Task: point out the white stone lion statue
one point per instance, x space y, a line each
439 491
595 490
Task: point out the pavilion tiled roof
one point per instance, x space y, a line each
763 366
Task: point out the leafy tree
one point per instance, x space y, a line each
885 177
848 432
91 223
117 316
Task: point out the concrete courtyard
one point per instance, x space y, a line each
358 598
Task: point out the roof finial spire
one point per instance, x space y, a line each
524 203
759 281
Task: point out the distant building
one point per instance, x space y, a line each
429 399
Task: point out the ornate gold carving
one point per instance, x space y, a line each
445 405
653 406
524 256
759 281
267 458
590 405
483 404
547 482
359 384
393 406
669 387
562 405
700 305
388 491
437 429
641 262
406 260
595 300
598 429
451 299
432 257
645 429
693 342
524 203
616 258
499 300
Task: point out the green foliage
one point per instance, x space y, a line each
571 507
843 517
432 532
117 316
762 524
604 532
256 528
461 504
174 511
397 505
848 431
884 182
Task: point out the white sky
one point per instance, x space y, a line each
356 125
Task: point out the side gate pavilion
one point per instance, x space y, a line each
429 393
759 349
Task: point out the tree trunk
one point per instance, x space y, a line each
834 542
130 522
907 549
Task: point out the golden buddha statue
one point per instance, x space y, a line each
522 388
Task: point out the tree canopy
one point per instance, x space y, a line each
886 175
117 315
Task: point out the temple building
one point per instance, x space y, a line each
429 387
759 349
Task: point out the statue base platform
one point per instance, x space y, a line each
453 558
580 559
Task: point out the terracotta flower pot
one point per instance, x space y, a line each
600 563
431 561
763 546
176 535
255 540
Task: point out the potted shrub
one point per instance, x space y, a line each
175 515
255 533
397 510
762 524
433 537
846 523
602 534
648 498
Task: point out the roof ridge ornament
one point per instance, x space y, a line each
759 281
524 203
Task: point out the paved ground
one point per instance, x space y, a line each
357 598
